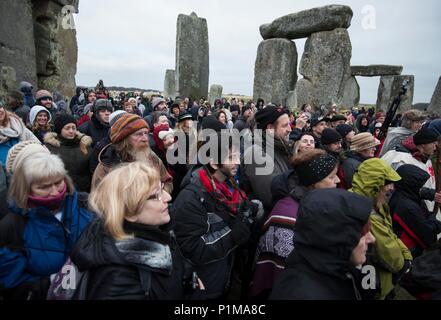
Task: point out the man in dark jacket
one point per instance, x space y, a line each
209 217
332 237
98 126
416 227
241 122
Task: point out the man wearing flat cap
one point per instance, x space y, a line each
129 136
263 161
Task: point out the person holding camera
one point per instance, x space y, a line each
212 215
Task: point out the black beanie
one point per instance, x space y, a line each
425 136
210 122
344 129
330 136
234 107
268 115
61 120
316 170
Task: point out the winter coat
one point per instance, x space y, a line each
394 138
3 192
278 239
145 267
240 123
75 154
10 136
416 227
397 158
328 228
23 113
95 129
207 234
34 244
348 168
257 176
110 158
391 252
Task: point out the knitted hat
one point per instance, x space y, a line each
267 116
40 94
61 120
19 152
234 107
210 122
330 136
363 141
316 170
35 110
378 115
156 102
115 116
125 126
184 116
344 129
425 136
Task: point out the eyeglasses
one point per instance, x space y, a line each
158 195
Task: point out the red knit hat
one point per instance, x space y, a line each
125 126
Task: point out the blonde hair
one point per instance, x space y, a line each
122 193
6 120
36 169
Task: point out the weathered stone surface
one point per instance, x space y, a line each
291 101
170 84
56 48
304 23
17 48
326 65
421 106
376 70
351 94
215 93
304 92
8 80
275 72
435 102
390 87
192 56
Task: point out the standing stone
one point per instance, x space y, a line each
192 56
376 70
215 93
390 87
304 92
326 65
17 47
435 103
351 94
56 46
304 23
291 102
275 72
170 84
8 81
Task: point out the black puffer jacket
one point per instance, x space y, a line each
147 266
412 223
327 230
95 129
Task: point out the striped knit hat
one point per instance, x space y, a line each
18 153
125 126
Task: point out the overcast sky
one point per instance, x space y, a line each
133 42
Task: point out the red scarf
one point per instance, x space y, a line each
233 200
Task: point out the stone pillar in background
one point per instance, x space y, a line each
17 46
275 72
192 56
291 102
170 84
326 67
435 103
8 81
351 94
389 89
215 93
56 45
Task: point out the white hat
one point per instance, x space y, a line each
18 153
163 134
35 110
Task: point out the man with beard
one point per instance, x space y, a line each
210 223
129 143
268 157
44 98
98 126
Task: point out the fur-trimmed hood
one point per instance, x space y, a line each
51 138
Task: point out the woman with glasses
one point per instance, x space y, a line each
128 252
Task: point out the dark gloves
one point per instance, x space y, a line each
427 194
404 270
241 229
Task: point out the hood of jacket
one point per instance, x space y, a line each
328 228
54 140
412 180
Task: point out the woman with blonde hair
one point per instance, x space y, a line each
40 122
45 220
128 251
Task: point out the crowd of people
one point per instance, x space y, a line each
262 202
